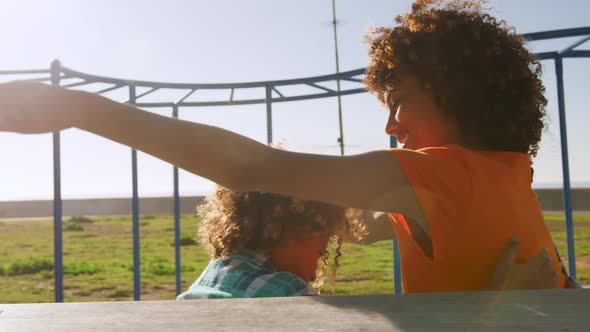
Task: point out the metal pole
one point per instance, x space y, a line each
397 270
57 202
567 191
135 207
334 23
177 220
269 114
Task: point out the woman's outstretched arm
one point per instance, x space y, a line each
372 180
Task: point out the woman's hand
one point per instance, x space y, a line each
35 108
537 273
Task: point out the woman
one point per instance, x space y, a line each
465 99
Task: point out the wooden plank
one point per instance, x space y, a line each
552 310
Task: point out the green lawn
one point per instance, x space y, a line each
98 259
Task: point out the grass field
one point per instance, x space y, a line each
98 259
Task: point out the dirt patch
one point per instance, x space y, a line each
159 293
583 261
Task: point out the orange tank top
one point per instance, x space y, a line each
475 202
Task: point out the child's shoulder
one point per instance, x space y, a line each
279 284
251 274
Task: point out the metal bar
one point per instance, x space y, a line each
567 191
340 125
569 54
349 75
141 95
186 96
37 79
397 270
41 79
57 202
342 76
574 45
259 84
248 101
577 54
546 55
135 207
71 85
319 87
231 95
115 87
25 72
582 31
353 79
57 220
253 101
146 93
177 257
278 92
268 114
158 104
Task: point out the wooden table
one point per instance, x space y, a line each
551 310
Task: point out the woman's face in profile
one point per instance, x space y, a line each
415 119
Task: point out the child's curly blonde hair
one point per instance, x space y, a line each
235 221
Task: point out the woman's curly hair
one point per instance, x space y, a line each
234 221
477 68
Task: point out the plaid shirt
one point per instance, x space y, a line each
248 274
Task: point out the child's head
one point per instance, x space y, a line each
294 233
451 74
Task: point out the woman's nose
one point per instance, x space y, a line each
392 126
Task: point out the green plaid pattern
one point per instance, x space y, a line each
248 274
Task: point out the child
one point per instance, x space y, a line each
465 98
268 245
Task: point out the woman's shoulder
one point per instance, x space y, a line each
454 151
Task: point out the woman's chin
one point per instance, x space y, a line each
408 146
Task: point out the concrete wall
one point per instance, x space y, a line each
100 206
551 199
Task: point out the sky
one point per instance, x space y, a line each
240 41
